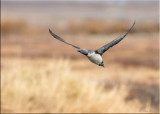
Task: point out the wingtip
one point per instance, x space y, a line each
134 22
49 30
132 25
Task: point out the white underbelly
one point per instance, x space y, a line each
95 58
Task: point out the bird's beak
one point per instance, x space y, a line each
78 50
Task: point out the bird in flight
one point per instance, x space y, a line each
94 56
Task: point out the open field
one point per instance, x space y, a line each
40 74
48 85
45 79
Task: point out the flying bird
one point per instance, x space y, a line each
94 56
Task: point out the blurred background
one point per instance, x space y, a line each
40 74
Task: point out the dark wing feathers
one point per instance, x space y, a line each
114 42
59 38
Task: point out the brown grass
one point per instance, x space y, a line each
41 74
20 26
55 87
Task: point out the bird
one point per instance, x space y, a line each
95 56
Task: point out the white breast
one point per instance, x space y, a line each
95 58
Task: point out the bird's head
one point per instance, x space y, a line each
83 51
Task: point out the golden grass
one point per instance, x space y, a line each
54 86
35 79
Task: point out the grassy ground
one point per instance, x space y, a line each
56 87
42 78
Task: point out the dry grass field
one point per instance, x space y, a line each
42 75
42 78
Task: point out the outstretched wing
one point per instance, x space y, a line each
114 42
59 38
